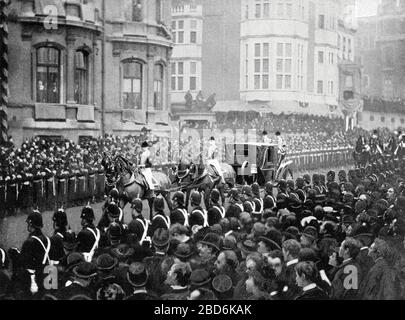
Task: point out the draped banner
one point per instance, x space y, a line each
349 107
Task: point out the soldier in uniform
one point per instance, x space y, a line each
197 215
35 253
60 224
159 220
216 212
257 199
50 184
100 182
235 206
89 236
179 213
11 193
247 195
91 187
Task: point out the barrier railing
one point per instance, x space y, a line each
316 159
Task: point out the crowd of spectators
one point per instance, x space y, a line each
336 236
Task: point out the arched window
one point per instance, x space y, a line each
48 75
81 77
132 85
158 87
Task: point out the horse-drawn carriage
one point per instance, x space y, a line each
257 161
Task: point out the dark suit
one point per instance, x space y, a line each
313 294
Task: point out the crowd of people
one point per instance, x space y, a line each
334 236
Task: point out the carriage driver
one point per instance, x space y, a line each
212 157
146 164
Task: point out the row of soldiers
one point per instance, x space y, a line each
319 237
45 188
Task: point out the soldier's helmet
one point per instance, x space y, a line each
195 198
256 189
290 184
159 204
35 219
137 204
215 195
115 231
87 214
269 187
247 191
113 210
234 194
282 184
179 197
114 194
60 218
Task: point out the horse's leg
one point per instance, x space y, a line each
166 196
151 200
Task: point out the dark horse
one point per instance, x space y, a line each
189 177
131 183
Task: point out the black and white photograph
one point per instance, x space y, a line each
219 151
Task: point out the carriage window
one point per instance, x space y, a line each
269 155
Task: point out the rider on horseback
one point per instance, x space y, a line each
212 158
146 164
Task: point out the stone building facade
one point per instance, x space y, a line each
88 67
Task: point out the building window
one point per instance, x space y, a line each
371 118
300 67
320 56
178 33
393 120
284 66
48 75
261 66
247 12
158 87
321 21
257 82
258 11
132 85
320 87
180 37
81 77
402 121
388 88
177 76
159 11
382 119
193 37
137 11
193 83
